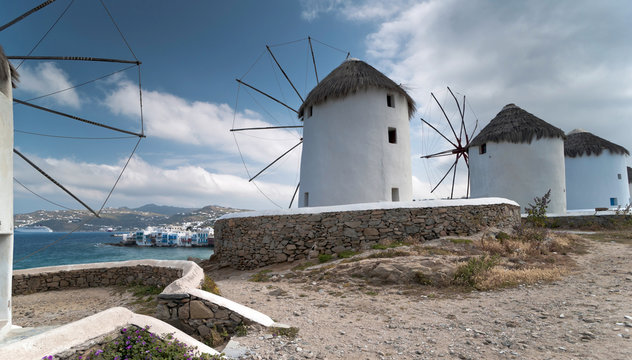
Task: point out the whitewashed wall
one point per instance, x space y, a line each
347 157
520 172
6 201
592 180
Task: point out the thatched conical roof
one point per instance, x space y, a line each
351 76
3 73
515 125
579 142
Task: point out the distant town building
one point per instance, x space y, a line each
595 172
356 139
519 156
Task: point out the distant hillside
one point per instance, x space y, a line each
164 210
123 219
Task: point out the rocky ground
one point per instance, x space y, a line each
585 315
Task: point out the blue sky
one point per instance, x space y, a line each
565 61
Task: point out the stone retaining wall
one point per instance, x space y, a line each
100 277
589 222
248 242
182 303
198 316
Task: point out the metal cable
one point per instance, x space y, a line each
23 16
54 242
241 156
120 175
119 30
49 30
76 137
288 42
82 84
335 48
40 196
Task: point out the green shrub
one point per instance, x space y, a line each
323 258
536 212
290 332
209 285
460 241
465 275
422 279
146 290
263 275
389 246
135 343
502 236
347 254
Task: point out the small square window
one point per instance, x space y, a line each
614 202
310 112
482 149
390 101
619 176
392 135
306 199
395 194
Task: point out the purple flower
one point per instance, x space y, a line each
129 347
98 352
124 330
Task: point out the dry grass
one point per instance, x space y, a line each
499 277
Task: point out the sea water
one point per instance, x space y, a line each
36 249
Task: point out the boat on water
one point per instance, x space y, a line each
169 238
33 229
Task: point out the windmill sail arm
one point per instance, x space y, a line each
55 181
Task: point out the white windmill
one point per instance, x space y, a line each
519 156
356 139
595 172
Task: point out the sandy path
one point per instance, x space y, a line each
581 316
61 307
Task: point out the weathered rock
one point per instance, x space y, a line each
199 311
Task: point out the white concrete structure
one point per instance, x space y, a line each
6 192
596 174
356 139
519 157
630 184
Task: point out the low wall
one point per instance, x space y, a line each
199 316
248 241
596 221
29 283
182 303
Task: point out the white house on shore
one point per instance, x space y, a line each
595 172
8 78
356 142
519 156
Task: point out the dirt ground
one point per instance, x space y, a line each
585 315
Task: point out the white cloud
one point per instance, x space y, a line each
46 78
353 10
204 124
143 183
564 61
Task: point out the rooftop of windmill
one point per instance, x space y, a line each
3 73
515 125
348 78
580 142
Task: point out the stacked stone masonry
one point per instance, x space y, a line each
84 278
252 242
198 317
